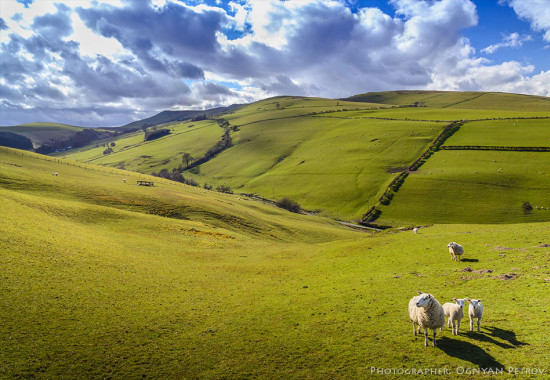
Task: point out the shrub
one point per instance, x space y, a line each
288 204
526 208
224 189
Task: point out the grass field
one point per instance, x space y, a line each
334 165
133 153
460 100
43 133
513 132
474 187
337 157
104 279
437 114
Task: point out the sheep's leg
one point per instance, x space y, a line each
479 325
454 327
457 327
471 324
435 332
426 337
414 328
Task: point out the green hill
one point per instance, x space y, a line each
43 133
173 116
338 157
459 100
102 278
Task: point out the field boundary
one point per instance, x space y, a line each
500 148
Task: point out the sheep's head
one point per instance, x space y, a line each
474 303
424 300
460 302
451 244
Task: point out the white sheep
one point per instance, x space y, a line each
427 312
415 230
475 310
454 312
456 250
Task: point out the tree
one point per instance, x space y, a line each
187 158
288 204
527 208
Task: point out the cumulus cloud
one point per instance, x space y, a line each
513 40
537 12
145 56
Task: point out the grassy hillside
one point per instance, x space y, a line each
475 187
337 156
459 100
133 153
101 278
43 133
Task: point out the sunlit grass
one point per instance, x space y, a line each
97 284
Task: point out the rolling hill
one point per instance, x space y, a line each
338 157
103 278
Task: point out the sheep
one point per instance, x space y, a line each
475 310
415 230
427 312
455 250
455 313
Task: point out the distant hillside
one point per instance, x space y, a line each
50 137
43 133
458 100
172 116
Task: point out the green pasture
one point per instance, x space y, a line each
285 107
512 132
133 153
333 156
436 114
104 279
43 133
459 100
474 187
333 165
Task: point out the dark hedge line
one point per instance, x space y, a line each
503 148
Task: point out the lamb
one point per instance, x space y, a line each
455 250
427 312
475 310
415 230
455 313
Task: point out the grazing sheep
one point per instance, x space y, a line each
475 310
455 250
427 312
455 313
415 230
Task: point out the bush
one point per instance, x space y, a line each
224 189
288 204
526 208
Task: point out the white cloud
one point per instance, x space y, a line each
512 40
537 12
140 57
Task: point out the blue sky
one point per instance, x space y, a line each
106 63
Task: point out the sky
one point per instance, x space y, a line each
97 63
